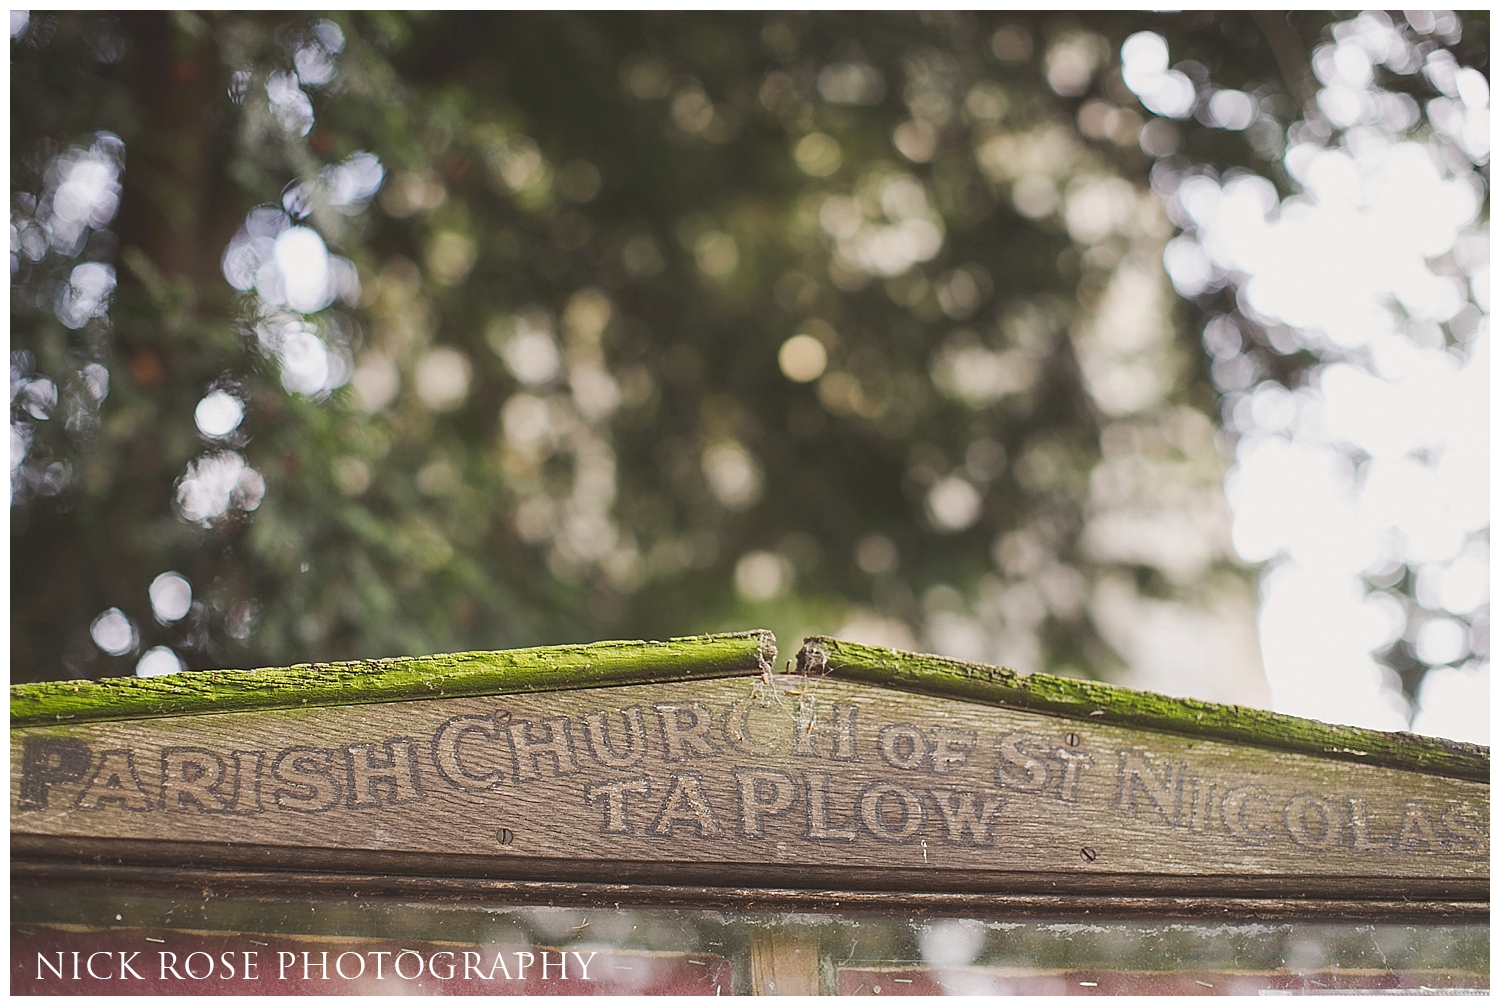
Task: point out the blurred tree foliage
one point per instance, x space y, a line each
410 333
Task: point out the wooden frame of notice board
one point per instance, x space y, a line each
690 773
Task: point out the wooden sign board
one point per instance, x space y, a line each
690 763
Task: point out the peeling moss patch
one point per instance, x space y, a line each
545 668
1101 703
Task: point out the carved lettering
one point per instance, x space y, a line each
596 729
1314 822
968 814
386 781
1074 762
810 727
1359 826
191 780
47 763
1416 826
763 793
951 748
1200 813
684 731
984 790
686 801
902 746
528 749
1137 775
1021 766
247 770
307 774
877 799
477 769
1237 804
1467 829
616 821
737 730
114 783
818 824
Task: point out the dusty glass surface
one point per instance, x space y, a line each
67 940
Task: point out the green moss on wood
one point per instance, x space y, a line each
546 668
596 665
1099 703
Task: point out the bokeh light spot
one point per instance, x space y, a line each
113 632
818 154
218 414
802 358
733 474
302 258
717 253
876 555
762 576
158 661
171 596
443 379
953 504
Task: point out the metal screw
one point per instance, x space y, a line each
1089 854
505 836
1072 740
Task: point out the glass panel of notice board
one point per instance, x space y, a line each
67 940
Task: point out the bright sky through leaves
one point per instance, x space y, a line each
368 333
1381 460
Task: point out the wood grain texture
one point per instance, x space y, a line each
62 875
784 962
52 852
1092 700
781 781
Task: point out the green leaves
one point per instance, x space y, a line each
543 392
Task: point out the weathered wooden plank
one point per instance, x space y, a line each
763 778
107 875
59 855
1095 701
784 962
